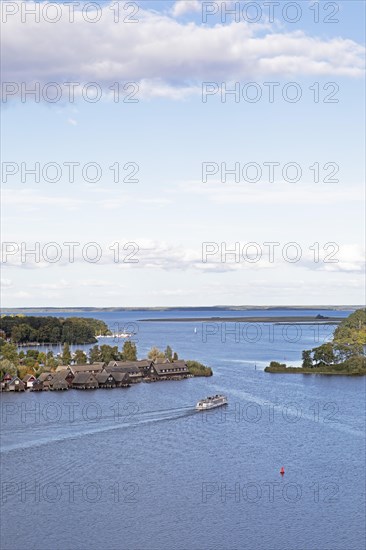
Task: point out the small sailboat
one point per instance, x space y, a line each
195 330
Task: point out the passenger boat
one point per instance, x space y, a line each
211 402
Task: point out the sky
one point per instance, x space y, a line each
155 174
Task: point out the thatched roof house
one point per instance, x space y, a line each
45 378
168 371
92 367
85 381
29 380
15 384
127 367
61 380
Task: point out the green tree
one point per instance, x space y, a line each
175 356
42 358
80 357
30 362
344 352
129 351
307 361
352 330
7 366
95 355
277 365
32 354
20 333
155 353
109 353
9 351
66 354
168 353
324 354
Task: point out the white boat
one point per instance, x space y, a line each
211 402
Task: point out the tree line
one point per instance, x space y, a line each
346 347
23 329
344 354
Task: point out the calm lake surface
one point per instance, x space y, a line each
139 469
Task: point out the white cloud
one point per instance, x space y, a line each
72 121
167 57
182 7
166 256
6 283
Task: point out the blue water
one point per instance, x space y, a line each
139 469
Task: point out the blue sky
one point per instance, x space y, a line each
169 133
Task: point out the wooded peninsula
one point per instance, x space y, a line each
344 355
24 329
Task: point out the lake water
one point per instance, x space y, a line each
139 469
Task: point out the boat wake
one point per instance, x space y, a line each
45 434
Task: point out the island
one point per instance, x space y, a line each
344 355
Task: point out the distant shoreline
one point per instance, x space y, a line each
66 309
317 371
277 320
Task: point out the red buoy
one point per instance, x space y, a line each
282 471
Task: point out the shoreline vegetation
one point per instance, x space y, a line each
344 355
23 329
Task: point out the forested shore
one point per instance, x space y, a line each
345 354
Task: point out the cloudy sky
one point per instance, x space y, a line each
129 141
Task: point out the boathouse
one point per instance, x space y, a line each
5 380
45 378
113 379
128 367
61 380
92 367
29 380
169 371
85 381
15 384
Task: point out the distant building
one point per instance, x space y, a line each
45 378
168 371
29 380
161 360
85 381
92 367
135 374
62 367
38 385
15 384
112 379
5 380
61 380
